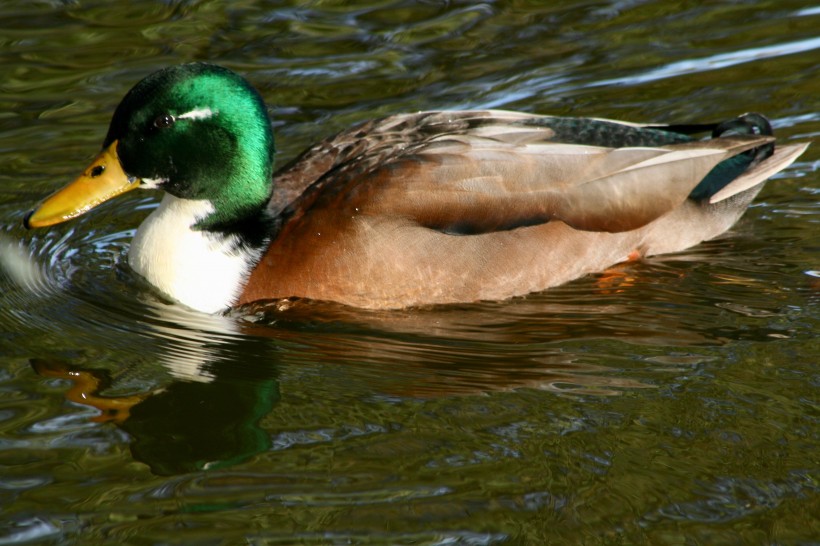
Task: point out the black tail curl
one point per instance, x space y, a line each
751 123
748 124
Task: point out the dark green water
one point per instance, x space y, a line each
674 404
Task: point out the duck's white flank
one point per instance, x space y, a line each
199 269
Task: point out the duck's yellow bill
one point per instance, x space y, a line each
101 181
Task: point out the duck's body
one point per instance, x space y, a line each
435 207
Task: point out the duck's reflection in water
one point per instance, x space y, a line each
204 413
223 372
185 425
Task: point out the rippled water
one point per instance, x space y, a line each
672 402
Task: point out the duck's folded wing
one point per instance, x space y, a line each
466 184
479 171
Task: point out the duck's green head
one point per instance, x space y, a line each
196 131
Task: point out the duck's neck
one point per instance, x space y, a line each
204 269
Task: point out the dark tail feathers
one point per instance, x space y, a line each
729 169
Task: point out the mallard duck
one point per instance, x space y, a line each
411 209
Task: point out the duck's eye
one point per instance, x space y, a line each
164 120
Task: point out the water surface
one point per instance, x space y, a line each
673 401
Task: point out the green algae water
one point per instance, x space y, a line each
672 401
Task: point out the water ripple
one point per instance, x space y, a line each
713 62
